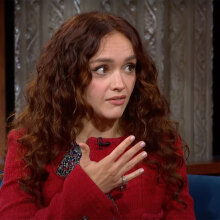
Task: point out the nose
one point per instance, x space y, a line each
117 82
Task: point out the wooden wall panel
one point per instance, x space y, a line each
2 82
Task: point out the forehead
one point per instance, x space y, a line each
114 44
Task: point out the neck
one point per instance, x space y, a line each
98 128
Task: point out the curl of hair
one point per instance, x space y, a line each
56 107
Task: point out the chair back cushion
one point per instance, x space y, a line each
205 191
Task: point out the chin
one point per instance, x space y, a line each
110 114
114 116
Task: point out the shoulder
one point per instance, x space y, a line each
14 163
13 144
13 140
15 134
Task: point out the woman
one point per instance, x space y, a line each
79 147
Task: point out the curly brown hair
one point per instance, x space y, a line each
56 107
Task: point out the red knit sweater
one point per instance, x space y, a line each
77 197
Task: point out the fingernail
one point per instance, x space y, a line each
144 154
142 144
132 138
141 170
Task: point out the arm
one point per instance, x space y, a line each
79 196
83 191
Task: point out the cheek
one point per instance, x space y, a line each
95 89
134 81
131 83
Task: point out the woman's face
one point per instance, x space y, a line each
113 77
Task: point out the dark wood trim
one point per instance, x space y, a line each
209 168
2 81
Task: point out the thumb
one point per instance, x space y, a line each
85 153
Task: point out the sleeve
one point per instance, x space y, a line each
79 198
175 210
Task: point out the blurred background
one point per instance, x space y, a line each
181 36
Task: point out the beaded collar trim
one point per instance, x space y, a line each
70 160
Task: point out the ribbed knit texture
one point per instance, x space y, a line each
77 196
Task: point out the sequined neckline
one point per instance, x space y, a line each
70 160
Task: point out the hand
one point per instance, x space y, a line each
107 173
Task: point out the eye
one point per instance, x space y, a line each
101 70
129 68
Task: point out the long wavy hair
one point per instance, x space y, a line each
56 106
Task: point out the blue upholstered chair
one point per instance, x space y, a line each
1 178
205 191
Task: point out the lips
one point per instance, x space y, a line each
117 100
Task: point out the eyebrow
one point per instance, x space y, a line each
108 60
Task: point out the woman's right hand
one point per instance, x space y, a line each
107 173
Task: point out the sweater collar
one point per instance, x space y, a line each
104 142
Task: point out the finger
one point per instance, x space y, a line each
85 153
121 148
130 153
133 175
134 161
